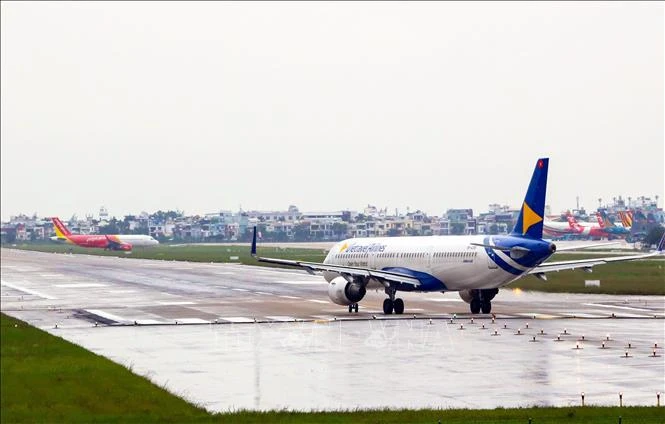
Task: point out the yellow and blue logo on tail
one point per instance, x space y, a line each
530 221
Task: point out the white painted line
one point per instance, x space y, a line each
151 322
79 285
265 293
52 275
318 301
122 291
236 319
176 303
538 316
583 315
107 315
618 307
241 290
290 297
192 321
324 317
280 318
26 290
301 283
626 315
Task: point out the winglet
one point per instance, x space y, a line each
530 221
254 243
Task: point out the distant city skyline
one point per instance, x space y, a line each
142 106
391 212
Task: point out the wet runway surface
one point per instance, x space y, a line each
270 339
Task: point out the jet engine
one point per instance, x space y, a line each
487 294
343 292
466 295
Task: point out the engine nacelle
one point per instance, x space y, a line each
345 293
486 294
466 295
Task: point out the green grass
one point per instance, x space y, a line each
47 379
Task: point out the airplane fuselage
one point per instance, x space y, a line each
442 263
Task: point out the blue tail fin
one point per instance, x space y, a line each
530 221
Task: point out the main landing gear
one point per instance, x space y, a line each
391 304
482 300
353 308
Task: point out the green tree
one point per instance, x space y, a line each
301 232
654 236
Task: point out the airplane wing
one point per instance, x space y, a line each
587 264
312 267
114 244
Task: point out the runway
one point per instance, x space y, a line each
270 338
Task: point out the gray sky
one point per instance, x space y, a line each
328 106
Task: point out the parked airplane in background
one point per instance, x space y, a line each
586 229
609 228
474 266
123 242
626 218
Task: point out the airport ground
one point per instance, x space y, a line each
75 385
230 336
636 278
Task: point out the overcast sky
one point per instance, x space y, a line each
327 106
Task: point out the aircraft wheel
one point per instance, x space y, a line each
486 307
351 308
387 306
475 306
398 305
355 308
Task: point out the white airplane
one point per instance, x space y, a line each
474 266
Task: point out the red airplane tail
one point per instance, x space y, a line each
60 230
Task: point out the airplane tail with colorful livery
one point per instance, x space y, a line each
530 221
61 231
626 218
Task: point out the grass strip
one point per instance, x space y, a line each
47 379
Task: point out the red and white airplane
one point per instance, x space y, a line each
124 242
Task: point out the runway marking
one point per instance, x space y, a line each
26 290
79 285
150 322
52 275
240 290
301 283
176 303
318 301
583 315
617 307
237 319
324 317
290 297
538 316
625 315
122 291
280 318
265 293
106 315
192 321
